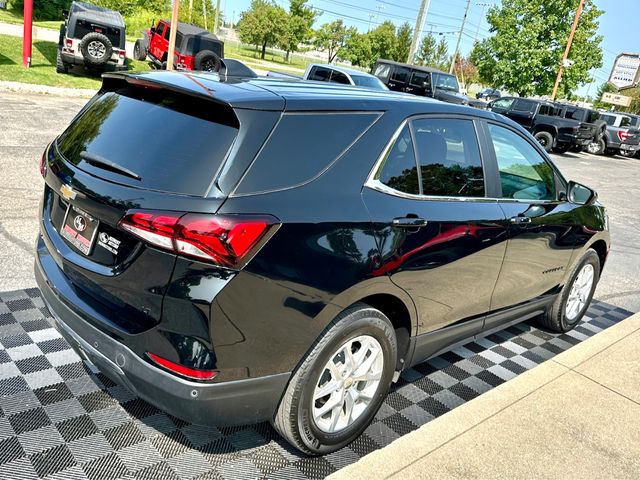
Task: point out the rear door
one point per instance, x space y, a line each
541 227
523 112
441 238
399 78
419 83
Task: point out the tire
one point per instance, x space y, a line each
96 49
562 148
63 32
61 65
139 50
596 148
299 419
627 153
163 66
560 317
207 61
545 139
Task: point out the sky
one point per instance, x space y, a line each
618 24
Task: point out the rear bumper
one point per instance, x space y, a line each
225 403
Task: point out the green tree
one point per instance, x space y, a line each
298 26
403 42
196 15
528 41
332 37
357 49
383 42
433 54
262 25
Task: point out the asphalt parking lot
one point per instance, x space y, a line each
31 121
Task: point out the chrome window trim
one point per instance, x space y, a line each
373 183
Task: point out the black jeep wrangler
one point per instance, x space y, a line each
91 36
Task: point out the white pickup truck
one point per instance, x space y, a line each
336 74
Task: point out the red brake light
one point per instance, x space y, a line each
222 239
623 135
181 369
122 54
69 43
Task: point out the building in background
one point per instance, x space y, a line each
626 70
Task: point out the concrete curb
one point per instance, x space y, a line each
420 443
19 87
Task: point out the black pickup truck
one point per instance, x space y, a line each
543 119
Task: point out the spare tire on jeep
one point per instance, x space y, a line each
207 61
96 48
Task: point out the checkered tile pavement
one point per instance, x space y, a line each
60 418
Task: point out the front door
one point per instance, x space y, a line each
440 237
523 112
541 236
418 83
157 40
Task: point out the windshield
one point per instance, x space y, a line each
445 81
369 82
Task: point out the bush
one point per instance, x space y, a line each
43 9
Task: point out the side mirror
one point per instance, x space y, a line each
65 14
580 195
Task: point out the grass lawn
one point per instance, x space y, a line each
10 16
43 66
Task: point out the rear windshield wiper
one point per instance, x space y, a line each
101 162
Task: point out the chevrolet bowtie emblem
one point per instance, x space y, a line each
67 192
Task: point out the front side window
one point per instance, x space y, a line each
160 29
167 32
449 157
398 170
524 173
419 78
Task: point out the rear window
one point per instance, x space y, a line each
301 147
171 142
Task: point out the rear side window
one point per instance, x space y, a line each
449 157
399 170
171 142
301 147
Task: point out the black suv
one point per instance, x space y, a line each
91 36
543 119
422 81
224 280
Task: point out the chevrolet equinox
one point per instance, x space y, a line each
277 250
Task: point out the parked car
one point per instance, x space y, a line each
225 281
619 136
345 76
543 120
488 94
93 37
196 48
634 123
585 115
422 81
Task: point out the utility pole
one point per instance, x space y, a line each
27 30
190 10
483 5
215 27
416 30
172 34
568 49
455 52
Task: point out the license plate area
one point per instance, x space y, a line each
79 229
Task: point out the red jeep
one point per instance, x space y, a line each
196 48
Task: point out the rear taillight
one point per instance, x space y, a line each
226 240
122 54
623 135
43 165
69 43
193 373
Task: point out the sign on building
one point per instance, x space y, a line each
625 70
616 99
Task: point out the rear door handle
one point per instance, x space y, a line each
519 220
409 222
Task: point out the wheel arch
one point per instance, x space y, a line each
550 129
